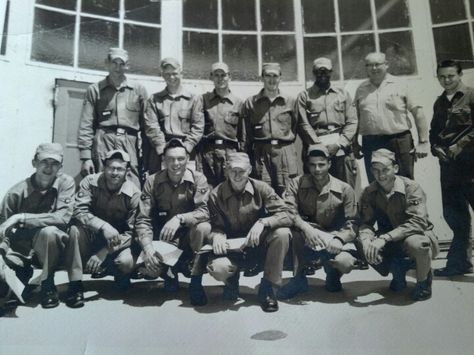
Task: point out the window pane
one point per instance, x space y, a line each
447 48
392 13
200 13
53 37
240 53
101 7
143 45
238 15
315 47
398 48
96 37
281 49
143 10
354 50
199 51
69 4
277 15
318 16
447 10
355 15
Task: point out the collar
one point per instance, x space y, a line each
462 89
33 187
261 96
333 185
398 187
227 190
107 82
315 89
127 188
230 97
162 177
181 93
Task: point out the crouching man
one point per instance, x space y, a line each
104 216
34 216
320 204
404 233
239 207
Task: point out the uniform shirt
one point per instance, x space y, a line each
107 106
384 110
222 116
333 209
266 119
169 115
319 110
161 200
97 206
234 214
400 214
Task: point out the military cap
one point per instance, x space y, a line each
384 156
271 68
174 143
49 151
170 61
119 53
238 160
117 153
219 66
315 150
322 62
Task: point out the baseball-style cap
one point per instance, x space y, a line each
219 66
170 61
322 62
384 156
50 151
315 150
117 153
174 143
271 68
238 160
119 53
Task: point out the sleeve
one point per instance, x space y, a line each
247 137
305 130
217 216
126 237
350 128
82 209
197 125
9 206
278 214
435 126
151 125
241 132
347 232
416 213
143 222
62 213
468 139
291 200
366 218
86 124
201 196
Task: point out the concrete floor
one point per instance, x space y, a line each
365 318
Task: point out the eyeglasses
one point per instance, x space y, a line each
375 65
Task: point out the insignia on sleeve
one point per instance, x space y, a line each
273 197
144 197
80 194
414 202
67 200
204 190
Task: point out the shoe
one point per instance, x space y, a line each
450 271
422 289
49 297
197 295
231 288
75 295
399 268
296 285
171 283
361 264
99 274
268 301
137 275
333 280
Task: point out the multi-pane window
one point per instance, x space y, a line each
346 30
78 33
452 30
244 34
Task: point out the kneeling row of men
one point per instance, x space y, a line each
109 224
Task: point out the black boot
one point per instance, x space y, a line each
75 295
197 295
266 296
49 293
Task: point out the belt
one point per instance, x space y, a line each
329 130
396 135
120 131
273 142
219 141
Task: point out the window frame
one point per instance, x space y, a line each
4 6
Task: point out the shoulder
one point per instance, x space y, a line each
65 180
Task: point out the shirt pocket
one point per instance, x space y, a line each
184 116
395 102
459 116
284 121
231 120
314 112
133 103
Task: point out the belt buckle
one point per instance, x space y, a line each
274 142
219 141
120 131
331 127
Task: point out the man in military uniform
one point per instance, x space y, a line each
383 103
270 124
111 118
34 216
452 141
326 114
223 125
320 203
104 217
172 113
404 233
173 204
245 207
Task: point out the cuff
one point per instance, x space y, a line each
85 154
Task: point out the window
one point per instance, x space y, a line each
452 30
78 32
244 34
4 17
346 30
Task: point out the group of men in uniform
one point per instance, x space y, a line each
137 154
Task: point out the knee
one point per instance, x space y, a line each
280 236
417 245
198 234
221 269
344 262
124 262
52 236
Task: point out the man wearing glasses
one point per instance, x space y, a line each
383 103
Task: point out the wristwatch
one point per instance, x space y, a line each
386 238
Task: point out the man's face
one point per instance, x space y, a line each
318 167
238 177
384 173
449 78
271 81
376 67
46 171
322 77
176 160
115 171
116 67
221 79
172 76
